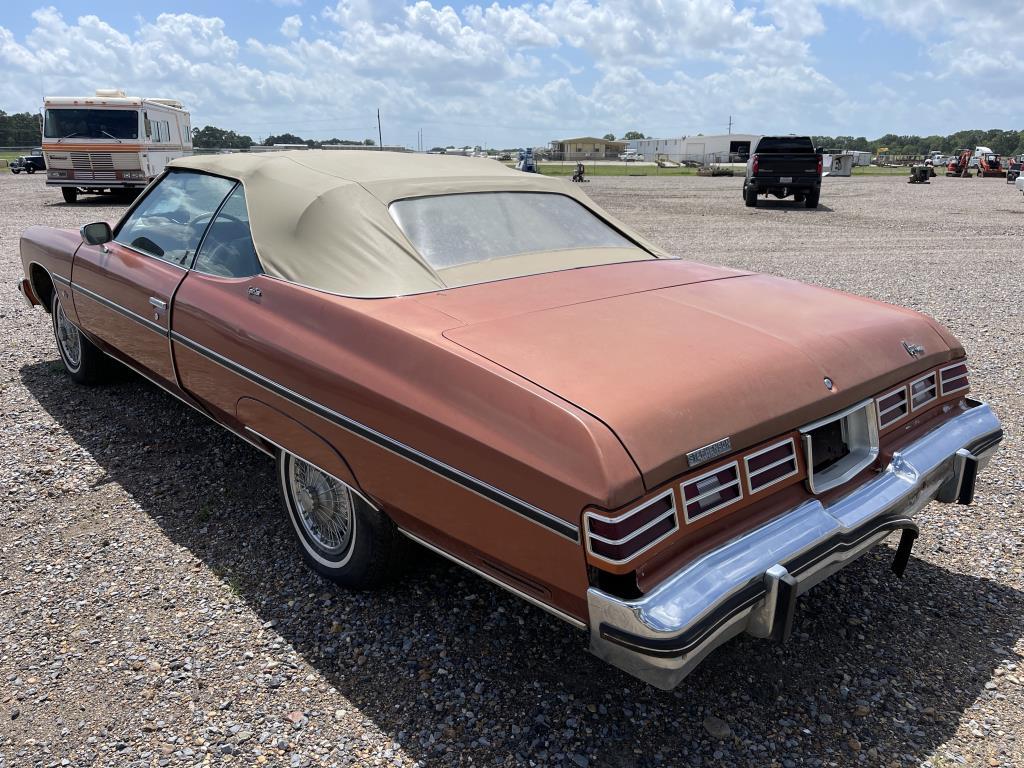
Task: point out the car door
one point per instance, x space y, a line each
123 290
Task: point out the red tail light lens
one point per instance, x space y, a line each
754 164
819 165
923 391
617 539
891 407
953 378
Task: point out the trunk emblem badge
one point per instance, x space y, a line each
708 452
914 350
829 384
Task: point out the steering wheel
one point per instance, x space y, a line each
201 216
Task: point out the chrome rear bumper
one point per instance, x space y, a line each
750 584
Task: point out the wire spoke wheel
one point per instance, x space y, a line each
68 338
323 507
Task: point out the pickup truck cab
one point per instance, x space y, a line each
784 166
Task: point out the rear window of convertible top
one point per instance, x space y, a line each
452 230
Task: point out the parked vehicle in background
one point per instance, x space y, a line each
527 162
631 155
111 142
1013 168
1019 183
990 165
29 163
960 164
485 362
782 166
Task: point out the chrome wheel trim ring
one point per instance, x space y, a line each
69 340
322 507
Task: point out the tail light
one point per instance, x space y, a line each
923 391
953 378
711 491
618 539
771 465
819 165
754 165
892 407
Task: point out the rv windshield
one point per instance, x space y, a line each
91 124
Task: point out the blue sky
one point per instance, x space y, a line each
514 74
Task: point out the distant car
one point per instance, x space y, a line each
485 362
631 155
28 164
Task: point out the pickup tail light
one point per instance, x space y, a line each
819 164
712 491
754 165
953 378
620 538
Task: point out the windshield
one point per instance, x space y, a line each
91 124
452 230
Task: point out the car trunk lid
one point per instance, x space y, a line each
671 369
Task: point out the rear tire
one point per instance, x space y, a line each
70 194
750 197
340 535
30 169
82 359
811 201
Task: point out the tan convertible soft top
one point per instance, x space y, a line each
320 217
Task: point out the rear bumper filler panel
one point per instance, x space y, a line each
750 584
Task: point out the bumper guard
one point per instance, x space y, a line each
750 584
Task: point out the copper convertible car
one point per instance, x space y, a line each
661 452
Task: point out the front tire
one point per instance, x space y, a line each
340 535
82 359
70 194
15 171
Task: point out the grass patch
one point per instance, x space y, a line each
8 156
568 169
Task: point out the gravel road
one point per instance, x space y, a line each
154 611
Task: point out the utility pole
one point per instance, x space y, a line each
730 125
380 136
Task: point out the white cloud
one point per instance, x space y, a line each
291 26
518 74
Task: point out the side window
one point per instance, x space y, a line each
227 249
173 216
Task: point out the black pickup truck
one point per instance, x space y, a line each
784 166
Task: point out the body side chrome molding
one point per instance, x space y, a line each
494 580
481 488
143 321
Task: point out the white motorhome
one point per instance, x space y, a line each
110 141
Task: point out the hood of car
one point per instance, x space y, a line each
671 369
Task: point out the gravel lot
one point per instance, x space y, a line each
154 611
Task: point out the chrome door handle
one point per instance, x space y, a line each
158 303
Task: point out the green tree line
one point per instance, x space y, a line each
1000 142
20 130
211 137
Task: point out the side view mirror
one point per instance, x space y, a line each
97 233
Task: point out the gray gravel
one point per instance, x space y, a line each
153 609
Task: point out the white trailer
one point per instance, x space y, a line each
111 142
